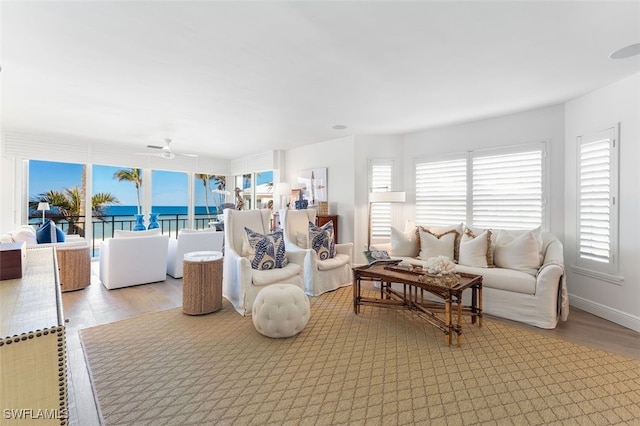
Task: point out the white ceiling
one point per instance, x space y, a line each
232 78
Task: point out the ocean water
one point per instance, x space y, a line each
161 210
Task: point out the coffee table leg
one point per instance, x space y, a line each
447 320
459 330
480 306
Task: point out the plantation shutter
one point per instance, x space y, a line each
596 199
381 180
507 189
441 191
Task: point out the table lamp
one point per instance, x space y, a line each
44 207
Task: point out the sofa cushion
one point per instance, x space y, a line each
48 232
476 250
404 243
322 241
136 234
25 233
442 229
266 251
302 240
521 252
270 276
192 231
503 279
333 263
433 245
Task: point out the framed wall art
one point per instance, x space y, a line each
313 184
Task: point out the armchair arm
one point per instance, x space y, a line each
345 248
236 276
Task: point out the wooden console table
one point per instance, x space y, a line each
33 358
321 220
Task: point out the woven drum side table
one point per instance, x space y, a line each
74 266
202 282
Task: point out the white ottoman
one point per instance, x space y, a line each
280 310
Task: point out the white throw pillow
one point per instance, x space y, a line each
476 250
437 245
133 234
25 233
442 229
521 252
404 244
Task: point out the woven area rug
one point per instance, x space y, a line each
380 367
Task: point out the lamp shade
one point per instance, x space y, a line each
387 197
43 206
283 188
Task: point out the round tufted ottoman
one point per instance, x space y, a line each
280 310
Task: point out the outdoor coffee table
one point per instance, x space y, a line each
414 283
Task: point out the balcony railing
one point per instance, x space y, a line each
105 227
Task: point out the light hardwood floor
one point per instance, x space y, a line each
96 305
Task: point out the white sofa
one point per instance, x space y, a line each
536 297
132 258
27 233
190 240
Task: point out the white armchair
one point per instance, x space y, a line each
240 282
191 240
320 276
133 258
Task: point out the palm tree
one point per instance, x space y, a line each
205 181
220 184
68 204
131 175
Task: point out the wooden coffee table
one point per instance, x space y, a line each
414 284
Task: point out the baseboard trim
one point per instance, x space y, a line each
622 318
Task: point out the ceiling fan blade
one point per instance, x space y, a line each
155 146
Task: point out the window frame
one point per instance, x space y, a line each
469 156
380 236
441 159
603 270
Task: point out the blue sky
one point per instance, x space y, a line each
168 189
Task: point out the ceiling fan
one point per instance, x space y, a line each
167 152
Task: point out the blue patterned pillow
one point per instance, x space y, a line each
266 251
322 241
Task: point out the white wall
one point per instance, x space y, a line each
617 103
530 126
337 155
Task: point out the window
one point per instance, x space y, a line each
255 190
597 206
507 189
441 191
381 179
497 188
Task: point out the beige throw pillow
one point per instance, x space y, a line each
432 245
476 250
